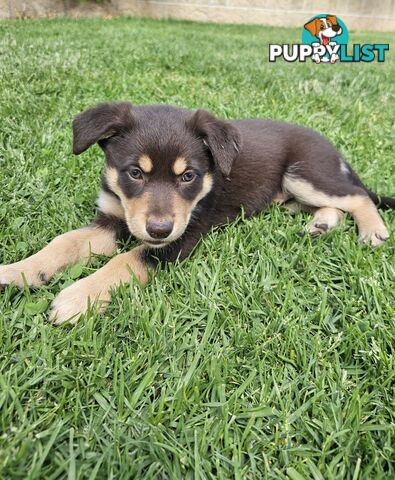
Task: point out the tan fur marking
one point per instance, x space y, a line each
183 208
67 249
136 209
96 289
179 165
136 214
110 205
324 219
112 180
292 206
281 198
145 163
370 225
207 186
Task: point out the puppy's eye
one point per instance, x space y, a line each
322 27
135 173
188 176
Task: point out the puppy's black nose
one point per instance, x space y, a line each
335 28
159 228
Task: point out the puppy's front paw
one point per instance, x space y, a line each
74 301
16 272
375 236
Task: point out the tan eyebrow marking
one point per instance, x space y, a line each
179 165
145 163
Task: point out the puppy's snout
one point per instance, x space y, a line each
159 227
335 28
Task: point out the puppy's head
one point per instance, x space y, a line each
161 162
324 28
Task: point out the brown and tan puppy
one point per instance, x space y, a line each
172 174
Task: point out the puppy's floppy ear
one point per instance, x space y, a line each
332 19
221 137
100 122
313 27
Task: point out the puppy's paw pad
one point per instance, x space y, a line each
42 276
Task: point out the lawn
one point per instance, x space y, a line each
267 354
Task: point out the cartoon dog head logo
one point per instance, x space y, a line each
324 28
325 33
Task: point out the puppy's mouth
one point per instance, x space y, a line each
156 243
325 40
329 34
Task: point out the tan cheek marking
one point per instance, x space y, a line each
136 214
145 163
179 165
183 208
135 209
112 180
110 205
138 205
206 188
132 206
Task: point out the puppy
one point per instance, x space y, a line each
172 174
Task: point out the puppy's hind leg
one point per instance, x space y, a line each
350 198
370 225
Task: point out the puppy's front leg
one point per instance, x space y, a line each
67 249
73 301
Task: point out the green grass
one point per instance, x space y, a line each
266 354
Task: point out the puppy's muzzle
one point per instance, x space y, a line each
159 228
